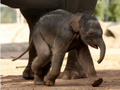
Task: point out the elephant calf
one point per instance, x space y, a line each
59 32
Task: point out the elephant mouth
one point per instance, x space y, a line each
102 47
94 46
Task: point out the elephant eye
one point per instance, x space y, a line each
90 34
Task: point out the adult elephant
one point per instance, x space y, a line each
32 10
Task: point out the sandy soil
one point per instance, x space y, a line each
11 72
109 70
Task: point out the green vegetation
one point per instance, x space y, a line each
8 15
113 13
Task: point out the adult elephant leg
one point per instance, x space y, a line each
31 18
27 73
73 69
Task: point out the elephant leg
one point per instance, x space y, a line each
73 69
28 73
41 64
46 68
39 69
31 16
57 60
58 53
40 72
85 59
39 79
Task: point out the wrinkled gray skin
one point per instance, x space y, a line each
32 10
58 33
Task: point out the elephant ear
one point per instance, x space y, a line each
74 22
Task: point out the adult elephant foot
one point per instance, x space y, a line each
27 73
95 81
73 73
73 69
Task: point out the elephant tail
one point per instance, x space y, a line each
29 47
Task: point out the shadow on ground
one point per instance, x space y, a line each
111 81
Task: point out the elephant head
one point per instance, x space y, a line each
90 31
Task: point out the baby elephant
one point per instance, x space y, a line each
59 32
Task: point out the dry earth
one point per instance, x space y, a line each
13 40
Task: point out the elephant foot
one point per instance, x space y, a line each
74 69
28 74
96 81
73 73
38 80
49 82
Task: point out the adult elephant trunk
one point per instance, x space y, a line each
102 50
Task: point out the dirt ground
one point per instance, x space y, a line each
109 70
11 72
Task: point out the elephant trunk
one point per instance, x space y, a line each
102 50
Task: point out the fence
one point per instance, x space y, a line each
107 2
